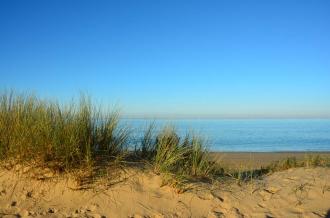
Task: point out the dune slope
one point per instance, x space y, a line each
297 192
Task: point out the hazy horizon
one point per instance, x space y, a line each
170 59
219 117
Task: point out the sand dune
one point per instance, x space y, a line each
297 192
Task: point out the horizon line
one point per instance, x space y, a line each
150 117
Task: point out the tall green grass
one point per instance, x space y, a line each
61 137
79 134
170 154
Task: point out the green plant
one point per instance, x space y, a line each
169 155
60 137
285 164
313 161
172 156
148 148
199 161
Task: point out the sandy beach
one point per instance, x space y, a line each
259 159
297 192
165 109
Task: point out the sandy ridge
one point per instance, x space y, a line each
297 192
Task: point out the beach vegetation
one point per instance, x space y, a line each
60 137
177 159
82 137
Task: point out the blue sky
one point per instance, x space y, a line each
173 58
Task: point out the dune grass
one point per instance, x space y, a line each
82 136
60 137
177 159
291 162
244 175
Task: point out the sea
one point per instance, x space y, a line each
248 135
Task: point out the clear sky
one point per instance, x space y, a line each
221 58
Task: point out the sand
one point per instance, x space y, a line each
259 159
300 192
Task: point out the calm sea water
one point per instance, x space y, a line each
251 135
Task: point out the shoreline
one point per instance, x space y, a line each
260 159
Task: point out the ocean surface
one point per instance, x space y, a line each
259 135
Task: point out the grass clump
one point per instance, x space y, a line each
316 161
169 155
199 162
60 137
291 162
177 159
310 161
148 148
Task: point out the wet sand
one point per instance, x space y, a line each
258 159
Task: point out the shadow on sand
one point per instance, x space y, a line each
328 214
